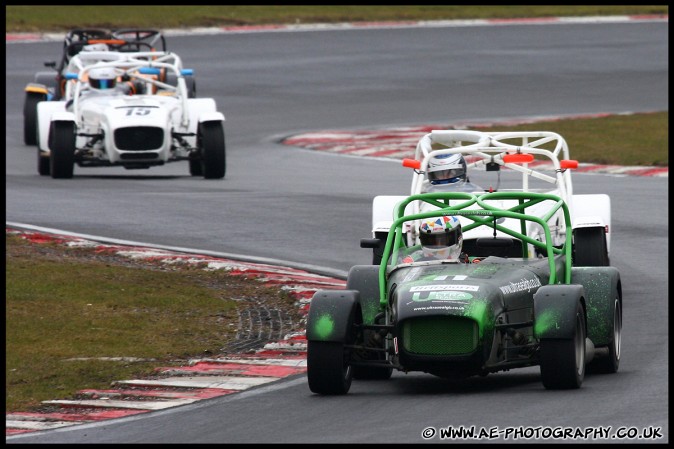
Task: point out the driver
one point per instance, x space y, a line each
448 173
103 80
441 239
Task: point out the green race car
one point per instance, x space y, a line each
473 317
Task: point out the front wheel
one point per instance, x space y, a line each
563 360
328 367
30 117
62 144
211 143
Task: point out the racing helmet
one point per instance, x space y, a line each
102 78
441 237
446 169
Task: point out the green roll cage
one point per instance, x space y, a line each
486 215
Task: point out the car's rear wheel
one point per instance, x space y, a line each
328 367
30 117
196 169
43 163
62 145
211 142
563 360
610 364
590 248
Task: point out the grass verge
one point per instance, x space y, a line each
636 139
60 18
69 311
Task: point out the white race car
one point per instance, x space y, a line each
542 158
151 124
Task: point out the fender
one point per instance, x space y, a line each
365 280
602 285
590 211
36 88
331 315
555 310
211 117
46 110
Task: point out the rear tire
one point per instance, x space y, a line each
563 360
62 146
196 168
30 117
43 163
590 249
328 368
610 364
211 143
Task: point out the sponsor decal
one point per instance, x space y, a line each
520 286
442 296
431 288
420 309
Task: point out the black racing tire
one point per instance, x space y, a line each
30 117
191 86
563 360
211 143
590 248
43 163
190 82
62 145
611 363
196 169
328 369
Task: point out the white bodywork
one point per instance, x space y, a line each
101 114
551 154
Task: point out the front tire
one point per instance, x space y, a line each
590 248
328 369
62 144
30 117
563 360
211 142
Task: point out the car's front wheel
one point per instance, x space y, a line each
62 145
563 360
328 368
211 142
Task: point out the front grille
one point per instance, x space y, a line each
138 156
139 138
440 335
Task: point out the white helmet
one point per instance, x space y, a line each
446 169
441 237
102 78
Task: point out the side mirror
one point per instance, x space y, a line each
370 243
565 164
412 163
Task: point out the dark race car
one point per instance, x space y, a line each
479 316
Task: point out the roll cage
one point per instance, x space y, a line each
486 215
143 66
